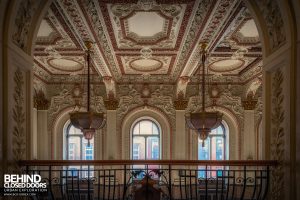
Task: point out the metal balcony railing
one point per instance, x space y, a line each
152 179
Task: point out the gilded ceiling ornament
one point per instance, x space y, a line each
239 54
146 4
146 52
52 52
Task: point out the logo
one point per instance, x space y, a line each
23 185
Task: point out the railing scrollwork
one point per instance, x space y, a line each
152 179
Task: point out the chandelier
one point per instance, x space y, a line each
88 122
203 122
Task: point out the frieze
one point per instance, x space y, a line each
131 98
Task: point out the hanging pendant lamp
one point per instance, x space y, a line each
88 122
203 122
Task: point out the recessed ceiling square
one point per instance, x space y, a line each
146 24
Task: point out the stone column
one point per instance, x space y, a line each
41 105
112 140
179 152
249 128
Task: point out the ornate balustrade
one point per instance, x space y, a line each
152 179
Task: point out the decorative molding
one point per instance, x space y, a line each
180 103
65 99
277 136
249 103
19 137
274 23
111 103
40 101
22 22
101 22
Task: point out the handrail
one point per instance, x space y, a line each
149 162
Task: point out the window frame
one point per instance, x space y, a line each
145 136
224 135
210 136
78 170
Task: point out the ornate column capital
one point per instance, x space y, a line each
249 103
40 101
111 103
180 103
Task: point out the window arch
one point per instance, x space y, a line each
145 140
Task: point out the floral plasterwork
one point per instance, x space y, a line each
22 22
274 22
19 137
277 136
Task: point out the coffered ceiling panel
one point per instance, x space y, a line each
158 39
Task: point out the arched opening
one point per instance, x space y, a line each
154 118
145 139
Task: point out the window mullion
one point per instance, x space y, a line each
145 139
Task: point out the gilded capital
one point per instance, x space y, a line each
180 103
249 103
111 104
40 101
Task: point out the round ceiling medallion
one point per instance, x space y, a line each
65 64
145 65
226 65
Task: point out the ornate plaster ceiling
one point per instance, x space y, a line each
154 39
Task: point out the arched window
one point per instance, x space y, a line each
145 143
77 147
214 147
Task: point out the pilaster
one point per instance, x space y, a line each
180 134
41 139
249 128
112 141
